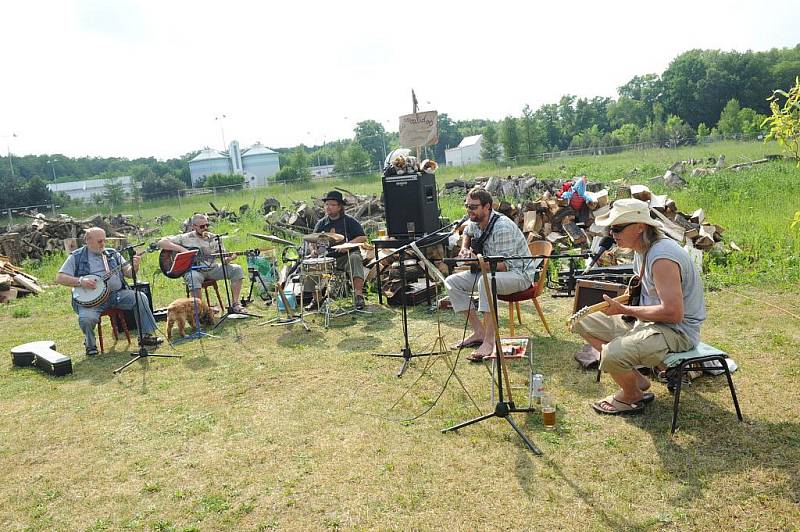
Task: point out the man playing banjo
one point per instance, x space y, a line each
94 259
336 221
200 239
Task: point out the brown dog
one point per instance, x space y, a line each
181 312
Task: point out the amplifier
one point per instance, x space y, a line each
587 293
130 317
411 205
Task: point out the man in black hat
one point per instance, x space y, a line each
336 221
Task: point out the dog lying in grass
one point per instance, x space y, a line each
181 312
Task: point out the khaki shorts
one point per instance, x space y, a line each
641 343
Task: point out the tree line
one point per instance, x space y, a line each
701 92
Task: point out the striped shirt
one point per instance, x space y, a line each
506 240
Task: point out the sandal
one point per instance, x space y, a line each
462 344
619 407
475 357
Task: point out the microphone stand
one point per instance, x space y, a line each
405 353
142 352
503 408
229 312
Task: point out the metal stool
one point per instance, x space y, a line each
679 364
115 316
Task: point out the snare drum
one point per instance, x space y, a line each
318 266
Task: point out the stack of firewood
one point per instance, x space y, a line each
44 235
14 282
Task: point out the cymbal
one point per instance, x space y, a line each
346 246
270 238
315 238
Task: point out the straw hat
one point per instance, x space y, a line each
628 211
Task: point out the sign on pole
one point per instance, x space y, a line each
419 129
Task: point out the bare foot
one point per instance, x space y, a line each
486 349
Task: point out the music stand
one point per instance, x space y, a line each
142 352
229 312
503 407
198 332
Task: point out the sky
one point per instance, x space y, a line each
141 78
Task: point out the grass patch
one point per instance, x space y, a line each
275 427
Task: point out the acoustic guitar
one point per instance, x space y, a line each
166 261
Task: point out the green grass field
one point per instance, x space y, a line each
278 428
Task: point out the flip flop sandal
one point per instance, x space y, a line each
475 357
461 345
620 407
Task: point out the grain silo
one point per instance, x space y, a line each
207 162
259 164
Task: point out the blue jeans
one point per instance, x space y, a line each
89 317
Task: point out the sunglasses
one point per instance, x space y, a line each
203 226
471 206
619 228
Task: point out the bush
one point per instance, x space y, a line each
222 180
154 186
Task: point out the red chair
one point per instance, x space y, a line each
115 316
540 247
204 286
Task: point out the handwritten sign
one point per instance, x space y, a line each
419 129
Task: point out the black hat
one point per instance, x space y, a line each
335 195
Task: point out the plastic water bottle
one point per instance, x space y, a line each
537 387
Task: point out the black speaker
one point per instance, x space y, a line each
130 317
411 205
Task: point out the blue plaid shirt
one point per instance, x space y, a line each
506 240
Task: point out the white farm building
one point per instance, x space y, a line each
468 151
257 164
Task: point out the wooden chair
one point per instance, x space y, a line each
116 316
206 284
539 247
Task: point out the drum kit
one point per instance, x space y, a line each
310 262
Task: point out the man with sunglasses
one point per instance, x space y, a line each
667 319
201 239
488 233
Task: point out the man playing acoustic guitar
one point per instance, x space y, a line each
667 319
199 238
96 259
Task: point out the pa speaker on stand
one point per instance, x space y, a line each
411 204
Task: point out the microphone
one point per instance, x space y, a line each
126 248
605 244
461 221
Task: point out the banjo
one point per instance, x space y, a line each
92 297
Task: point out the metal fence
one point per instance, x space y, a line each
182 194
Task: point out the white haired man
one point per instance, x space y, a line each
667 319
95 258
201 239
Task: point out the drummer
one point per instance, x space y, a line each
200 238
336 221
95 258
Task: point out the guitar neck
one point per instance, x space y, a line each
597 307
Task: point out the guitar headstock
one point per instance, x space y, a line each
578 316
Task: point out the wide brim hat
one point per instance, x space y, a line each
335 195
628 211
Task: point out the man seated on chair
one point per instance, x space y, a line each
201 239
336 221
95 258
488 233
667 319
